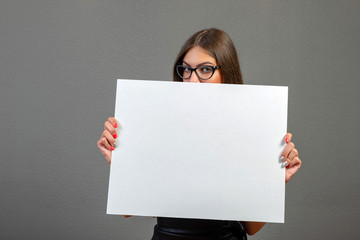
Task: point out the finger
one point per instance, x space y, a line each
290 146
110 138
296 162
104 151
293 153
99 144
110 128
288 137
113 121
106 144
286 163
293 168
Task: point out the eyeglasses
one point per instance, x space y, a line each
203 72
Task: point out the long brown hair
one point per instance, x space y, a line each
219 46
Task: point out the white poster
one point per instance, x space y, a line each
197 150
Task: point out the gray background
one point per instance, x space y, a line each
58 64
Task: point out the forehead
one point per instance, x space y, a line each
198 55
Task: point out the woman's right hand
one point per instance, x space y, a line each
107 138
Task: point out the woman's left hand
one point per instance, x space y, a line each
290 158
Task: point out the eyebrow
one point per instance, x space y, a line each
200 64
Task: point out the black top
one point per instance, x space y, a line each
181 228
191 226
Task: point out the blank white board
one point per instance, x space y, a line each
195 150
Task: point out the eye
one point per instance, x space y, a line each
205 69
187 69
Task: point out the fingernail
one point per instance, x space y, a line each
115 125
287 140
115 135
282 158
112 148
288 166
285 163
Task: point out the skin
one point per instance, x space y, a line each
196 57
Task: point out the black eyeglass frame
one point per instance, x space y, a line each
194 70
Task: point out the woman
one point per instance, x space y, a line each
208 56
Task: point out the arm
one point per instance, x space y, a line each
252 227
